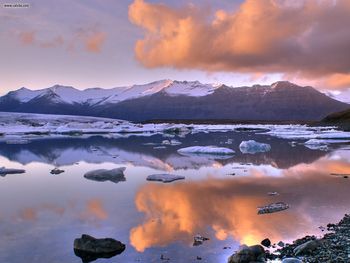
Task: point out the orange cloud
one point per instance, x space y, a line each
90 39
27 37
308 37
338 80
94 42
229 206
96 210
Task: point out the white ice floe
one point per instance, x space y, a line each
28 125
172 142
165 178
253 147
206 150
322 144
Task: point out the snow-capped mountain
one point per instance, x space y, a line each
93 96
169 100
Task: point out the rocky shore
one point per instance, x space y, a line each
334 246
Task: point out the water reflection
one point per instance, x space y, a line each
139 151
154 218
229 206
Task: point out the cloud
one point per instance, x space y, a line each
228 207
27 37
309 38
90 40
94 42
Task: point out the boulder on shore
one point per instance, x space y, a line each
247 254
306 247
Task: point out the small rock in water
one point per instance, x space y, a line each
4 171
56 171
165 178
162 257
198 240
89 248
266 242
272 208
101 175
199 258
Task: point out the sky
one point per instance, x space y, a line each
93 43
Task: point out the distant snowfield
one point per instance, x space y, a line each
19 127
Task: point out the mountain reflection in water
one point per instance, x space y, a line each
44 213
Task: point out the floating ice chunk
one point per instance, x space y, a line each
171 142
56 170
165 178
17 141
101 175
229 141
272 208
316 144
4 171
205 150
252 147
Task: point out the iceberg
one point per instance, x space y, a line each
165 178
253 147
316 144
205 150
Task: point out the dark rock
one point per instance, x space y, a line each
280 244
247 254
56 171
266 242
89 248
101 175
307 247
198 240
272 208
162 257
4 171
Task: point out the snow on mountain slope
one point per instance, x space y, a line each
70 95
24 94
136 91
190 88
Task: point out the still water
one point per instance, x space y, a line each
41 214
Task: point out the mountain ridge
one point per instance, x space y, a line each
171 99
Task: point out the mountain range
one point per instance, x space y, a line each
179 100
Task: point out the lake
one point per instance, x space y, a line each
41 214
